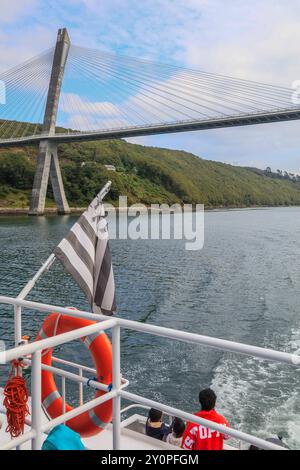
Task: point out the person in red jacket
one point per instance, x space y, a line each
198 437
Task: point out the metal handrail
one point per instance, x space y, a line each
103 323
222 344
135 405
276 111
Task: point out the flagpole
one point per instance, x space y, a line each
23 294
30 284
104 191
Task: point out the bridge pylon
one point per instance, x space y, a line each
47 161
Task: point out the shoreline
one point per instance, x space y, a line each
18 211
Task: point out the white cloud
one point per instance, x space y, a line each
88 115
137 140
16 48
256 41
12 10
81 122
71 101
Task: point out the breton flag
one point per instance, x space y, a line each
85 254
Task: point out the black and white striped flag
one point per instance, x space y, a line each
85 254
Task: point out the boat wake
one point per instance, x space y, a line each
261 397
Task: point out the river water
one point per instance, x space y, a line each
243 286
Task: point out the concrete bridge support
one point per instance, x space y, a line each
48 163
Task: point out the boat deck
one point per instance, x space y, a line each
132 436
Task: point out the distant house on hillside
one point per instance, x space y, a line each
110 167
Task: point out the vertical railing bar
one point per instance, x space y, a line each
18 336
116 344
18 324
36 405
63 392
80 387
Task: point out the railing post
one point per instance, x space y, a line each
18 324
36 405
63 393
80 387
116 344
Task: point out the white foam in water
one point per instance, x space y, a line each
261 397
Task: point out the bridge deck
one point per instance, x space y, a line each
154 129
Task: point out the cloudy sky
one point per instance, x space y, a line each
256 40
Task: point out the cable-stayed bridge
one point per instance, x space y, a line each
70 94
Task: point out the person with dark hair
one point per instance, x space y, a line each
175 436
154 425
199 437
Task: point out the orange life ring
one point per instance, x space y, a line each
95 420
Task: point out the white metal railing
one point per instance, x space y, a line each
115 324
77 378
34 349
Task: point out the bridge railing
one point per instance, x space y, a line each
274 112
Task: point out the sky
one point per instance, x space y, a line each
257 40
